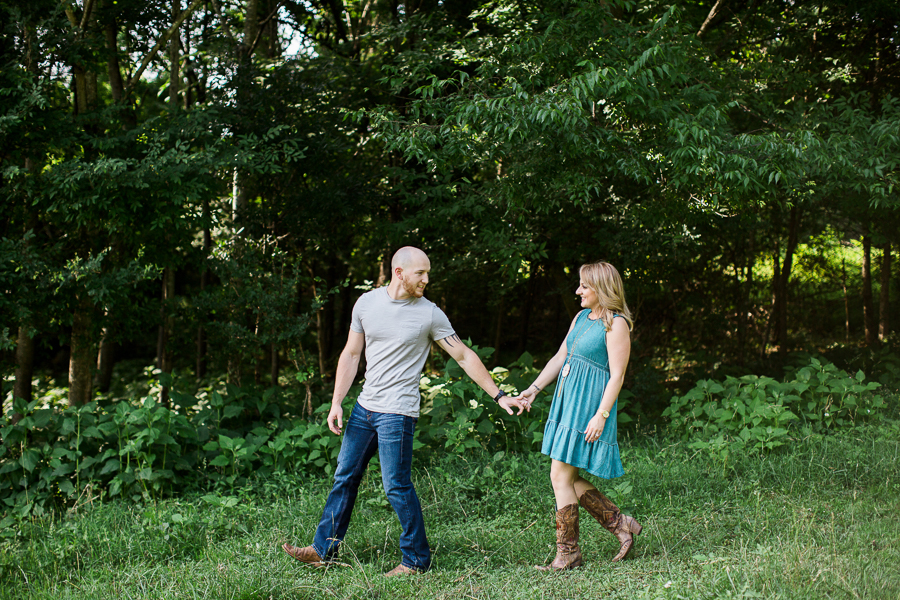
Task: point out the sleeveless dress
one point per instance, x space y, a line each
576 400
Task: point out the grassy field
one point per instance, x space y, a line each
818 520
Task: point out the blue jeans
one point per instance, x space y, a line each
392 436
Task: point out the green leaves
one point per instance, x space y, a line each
456 415
758 414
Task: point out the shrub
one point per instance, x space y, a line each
52 458
217 441
456 415
758 414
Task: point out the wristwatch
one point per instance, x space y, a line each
604 414
499 395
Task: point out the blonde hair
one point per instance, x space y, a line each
605 281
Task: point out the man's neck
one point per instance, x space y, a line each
396 291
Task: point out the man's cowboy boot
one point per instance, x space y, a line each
305 555
402 569
568 554
607 514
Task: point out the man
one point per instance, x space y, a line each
395 326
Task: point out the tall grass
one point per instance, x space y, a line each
816 519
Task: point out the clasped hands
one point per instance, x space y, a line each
524 400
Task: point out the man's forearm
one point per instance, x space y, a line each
343 378
478 373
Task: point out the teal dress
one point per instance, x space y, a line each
576 401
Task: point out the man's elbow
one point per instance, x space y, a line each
468 358
350 356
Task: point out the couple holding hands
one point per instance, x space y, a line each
395 326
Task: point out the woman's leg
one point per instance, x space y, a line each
607 514
563 478
568 554
582 485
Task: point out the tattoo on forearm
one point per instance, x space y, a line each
452 338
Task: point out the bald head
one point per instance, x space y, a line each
407 257
409 273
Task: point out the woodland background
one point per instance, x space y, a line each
194 195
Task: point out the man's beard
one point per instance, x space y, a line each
411 288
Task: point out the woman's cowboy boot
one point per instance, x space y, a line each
568 554
607 514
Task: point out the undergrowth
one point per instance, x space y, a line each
816 520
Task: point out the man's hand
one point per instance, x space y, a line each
507 403
336 419
526 398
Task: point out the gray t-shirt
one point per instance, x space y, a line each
398 336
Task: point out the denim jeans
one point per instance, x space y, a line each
392 436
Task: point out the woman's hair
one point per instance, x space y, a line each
605 281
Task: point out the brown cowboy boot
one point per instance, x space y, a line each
402 569
305 555
568 554
607 514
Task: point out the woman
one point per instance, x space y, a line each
581 429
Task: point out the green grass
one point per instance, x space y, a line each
816 520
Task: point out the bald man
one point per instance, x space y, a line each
395 325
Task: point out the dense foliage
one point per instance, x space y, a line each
220 441
754 415
210 185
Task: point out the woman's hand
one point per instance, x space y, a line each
526 398
594 428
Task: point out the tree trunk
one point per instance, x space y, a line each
525 321
200 366
204 282
745 293
739 312
174 58
871 323
245 52
776 294
346 312
251 26
24 364
164 357
116 84
384 268
275 366
25 340
846 300
320 326
270 47
106 360
81 357
85 90
238 198
884 298
786 266
31 50
329 314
